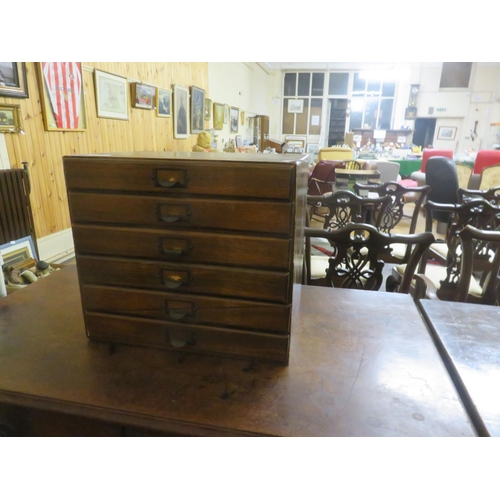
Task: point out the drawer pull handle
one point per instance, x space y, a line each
173 279
173 213
179 310
181 339
172 178
175 247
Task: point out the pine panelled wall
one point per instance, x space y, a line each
144 131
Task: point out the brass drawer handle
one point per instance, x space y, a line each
180 310
175 178
174 247
175 279
174 213
181 339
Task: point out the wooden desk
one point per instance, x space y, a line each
362 364
468 338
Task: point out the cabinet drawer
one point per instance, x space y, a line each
192 309
235 179
187 338
185 246
251 216
185 278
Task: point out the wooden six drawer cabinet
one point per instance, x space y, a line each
189 251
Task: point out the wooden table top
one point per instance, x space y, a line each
468 336
362 364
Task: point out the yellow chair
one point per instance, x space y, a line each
335 153
490 177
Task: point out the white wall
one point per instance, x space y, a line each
241 85
261 93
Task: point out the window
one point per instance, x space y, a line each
308 88
372 102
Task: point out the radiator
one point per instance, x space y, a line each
16 217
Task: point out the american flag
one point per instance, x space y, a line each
63 81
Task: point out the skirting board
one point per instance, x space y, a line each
56 248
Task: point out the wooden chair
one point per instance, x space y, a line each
492 195
356 262
440 280
471 238
489 178
400 197
346 207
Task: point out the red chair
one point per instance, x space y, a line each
419 175
428 153
486 158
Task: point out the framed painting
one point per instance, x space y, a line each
447 133
163 103
181 106
10 118
13 81
295 105
226 113
233 120
111 95
197 109
143 96
208 109
218 116
18 251
62 96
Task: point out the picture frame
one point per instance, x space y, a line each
181 107
208 109
238 141
295 105
447 133
197 109
13 80
296 142
163 103
226 113
143 95
233 120
10 118
410 113
218 115
111 95
62 96
242 118
18 251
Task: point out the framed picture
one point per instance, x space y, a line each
410 113
218 116
18 251
239 142
181 106
208 109
13 81
226 113
297 142
447 133
163 103
242 118
143 96
233 120
62 96
295 105
111 95
10 118
197 109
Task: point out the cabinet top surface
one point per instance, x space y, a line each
205 157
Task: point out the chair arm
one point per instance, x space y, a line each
424 287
